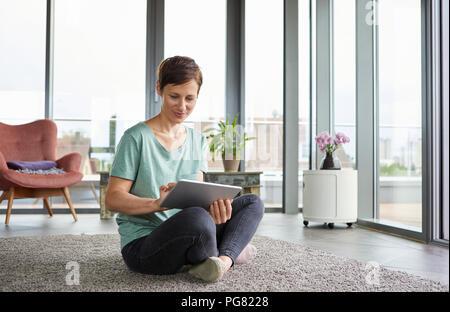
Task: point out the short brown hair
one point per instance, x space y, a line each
178 70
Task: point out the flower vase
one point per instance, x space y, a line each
330 162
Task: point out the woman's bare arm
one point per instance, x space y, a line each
119 199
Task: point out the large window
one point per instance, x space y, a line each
197 29
304 91
399 113
264 95
22 60
99 82
445 130
22 67
344 78
313 81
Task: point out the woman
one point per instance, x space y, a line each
150 158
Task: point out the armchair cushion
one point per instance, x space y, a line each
31 165
16 178
41 171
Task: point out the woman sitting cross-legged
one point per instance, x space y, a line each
150 158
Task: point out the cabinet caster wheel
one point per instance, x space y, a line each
349 224
331 225
306 223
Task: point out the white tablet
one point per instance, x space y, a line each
188 193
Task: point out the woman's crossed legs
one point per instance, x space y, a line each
191 237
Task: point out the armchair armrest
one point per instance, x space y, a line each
70 162
3 165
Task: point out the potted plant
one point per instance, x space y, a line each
227 140
328 145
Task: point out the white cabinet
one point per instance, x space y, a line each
330 196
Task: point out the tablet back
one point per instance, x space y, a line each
189 193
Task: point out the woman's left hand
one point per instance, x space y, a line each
220 210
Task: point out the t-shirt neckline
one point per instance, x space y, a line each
162 146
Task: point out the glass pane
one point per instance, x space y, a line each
202 38
304 95
99 83
99 59
400 118
76 137
344 82
313 26
22 68
22 60
445 130
264 95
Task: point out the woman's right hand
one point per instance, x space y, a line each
163 191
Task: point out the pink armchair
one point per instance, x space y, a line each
32 142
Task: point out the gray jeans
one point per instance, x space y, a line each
191 236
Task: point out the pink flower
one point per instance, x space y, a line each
319 140
323 138
324 135
327 144
339 136
329 140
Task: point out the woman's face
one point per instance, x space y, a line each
178 100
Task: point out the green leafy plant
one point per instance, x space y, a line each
393 170
226 138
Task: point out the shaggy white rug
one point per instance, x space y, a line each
94 263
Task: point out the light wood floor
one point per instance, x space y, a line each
409 214
405 213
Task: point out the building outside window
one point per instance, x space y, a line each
344 78
264 95
400 113
304 92
22 67
207 19
99 83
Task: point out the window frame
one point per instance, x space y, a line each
366 92
367 121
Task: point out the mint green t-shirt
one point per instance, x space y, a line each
140 157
